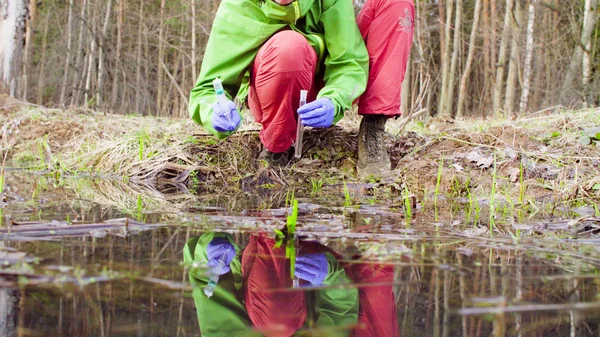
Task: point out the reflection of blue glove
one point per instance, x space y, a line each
220 249
312 268
227 118
318 114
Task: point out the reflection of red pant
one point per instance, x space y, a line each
286 64
377 314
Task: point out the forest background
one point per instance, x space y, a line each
469 58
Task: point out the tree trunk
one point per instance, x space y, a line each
117 70
79 57
567 91
91 58
12 29
587 69
28 43
99 88
513 67
462 92
528 58
456 48
161 56
446 60
63 88
9 309
138 71
494 37
41 76
194 73
502 58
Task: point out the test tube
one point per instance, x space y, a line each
299 133
209 290
221 98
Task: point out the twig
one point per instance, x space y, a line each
408 118
183 96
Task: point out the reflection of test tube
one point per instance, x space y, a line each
296 280
299 132
221 98
214 277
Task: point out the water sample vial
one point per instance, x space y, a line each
221 98
209 290
299 131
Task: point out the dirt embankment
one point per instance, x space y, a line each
541 156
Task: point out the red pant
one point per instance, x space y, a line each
286 64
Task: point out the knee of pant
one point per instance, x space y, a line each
286 48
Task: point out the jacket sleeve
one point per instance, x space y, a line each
337 306
347 60
238 31
224 313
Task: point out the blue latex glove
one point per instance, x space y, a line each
312 268
227 118
220 249
318 114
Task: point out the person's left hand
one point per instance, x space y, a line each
318 114
312 268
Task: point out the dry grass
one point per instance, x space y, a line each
162 153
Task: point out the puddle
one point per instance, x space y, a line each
73 266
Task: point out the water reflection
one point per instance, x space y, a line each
336 297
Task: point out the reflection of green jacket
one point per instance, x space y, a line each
241 27
224 314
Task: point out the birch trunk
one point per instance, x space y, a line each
63 87
446 59
115 84
576 60
513 71
502 58
99 87
138 71
454 64
13 14
161 56
91 59
528 58
462 92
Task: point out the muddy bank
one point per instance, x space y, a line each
541 157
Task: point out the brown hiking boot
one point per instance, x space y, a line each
373 159
276 159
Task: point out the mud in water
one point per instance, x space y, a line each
74 263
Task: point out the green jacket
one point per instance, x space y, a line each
241 27
225 314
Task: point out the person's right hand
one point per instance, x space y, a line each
312 268
220 249
225 119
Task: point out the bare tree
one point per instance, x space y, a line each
100 86
528 57
63 88
502 58
513 65
577 58
138 70
28 45
446 59
454 62
462 92
13 14
161 55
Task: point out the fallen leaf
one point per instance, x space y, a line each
480 160
514 174
458 167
